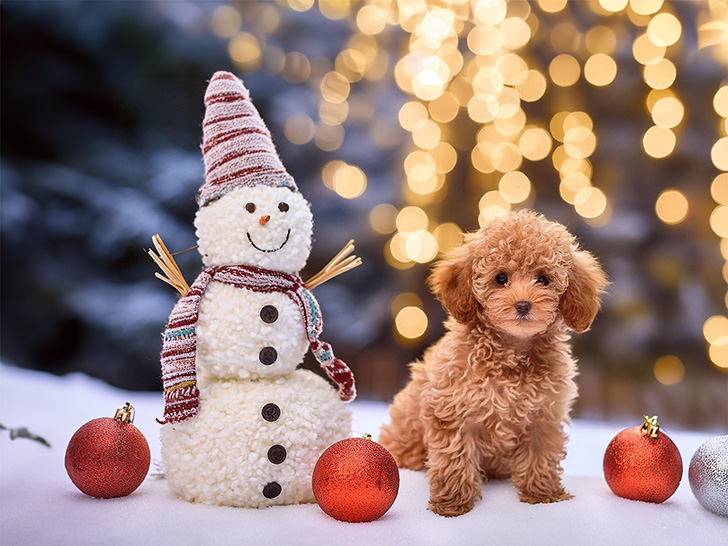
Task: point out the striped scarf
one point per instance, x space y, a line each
179 346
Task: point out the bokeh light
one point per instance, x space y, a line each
535 144
226 21
329 137
334 87
613 5
297 67
668 112
719 154
448 236
300 5
719 355
647 52
371 19
244 49
334 9
564 70
551 6
420 246
411 219
531 85
671 207
590 202
719 221
658 142
515 187
715 330
601 39
660 75
349 181
299 129
720 101
664 29
669 370
411 322
600 69
719 189
383 217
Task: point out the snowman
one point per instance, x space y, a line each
242 425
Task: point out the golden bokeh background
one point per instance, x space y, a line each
496 92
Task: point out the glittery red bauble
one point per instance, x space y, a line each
640 467
107 458
356 480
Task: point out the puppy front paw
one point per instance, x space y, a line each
450 509
543 498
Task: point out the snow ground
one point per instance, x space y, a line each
40 506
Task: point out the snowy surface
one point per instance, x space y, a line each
39 505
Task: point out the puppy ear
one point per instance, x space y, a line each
452 281
581 301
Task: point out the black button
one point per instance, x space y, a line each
277 454
271 490
269 314
268 355
271 412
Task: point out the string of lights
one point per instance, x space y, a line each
476 74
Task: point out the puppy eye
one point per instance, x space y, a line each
502 279
283 207
542 280
250 207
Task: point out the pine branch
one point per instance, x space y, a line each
22 432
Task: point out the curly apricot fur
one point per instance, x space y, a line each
490 399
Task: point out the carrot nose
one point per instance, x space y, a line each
264 220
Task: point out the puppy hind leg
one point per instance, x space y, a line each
403 438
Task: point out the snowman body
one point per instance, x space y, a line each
262 423
263 334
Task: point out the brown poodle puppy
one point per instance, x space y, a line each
491 398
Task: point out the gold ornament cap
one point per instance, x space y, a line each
651 427
125 414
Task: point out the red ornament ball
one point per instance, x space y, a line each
642 463
356 480
108 457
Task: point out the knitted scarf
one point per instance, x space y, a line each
179 346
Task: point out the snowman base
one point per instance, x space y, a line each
254 443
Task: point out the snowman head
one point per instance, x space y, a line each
264 226
251 212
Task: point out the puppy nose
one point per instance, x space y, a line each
523 307
264 219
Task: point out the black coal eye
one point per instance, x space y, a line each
250 207
283 207
542 280
502 278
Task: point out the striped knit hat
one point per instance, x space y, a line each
236 145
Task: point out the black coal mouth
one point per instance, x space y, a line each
268 250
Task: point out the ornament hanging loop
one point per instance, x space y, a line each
125 414
650 427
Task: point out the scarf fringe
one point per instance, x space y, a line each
180 404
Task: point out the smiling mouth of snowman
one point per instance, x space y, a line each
288 234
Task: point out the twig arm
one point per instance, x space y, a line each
172 274
340 263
